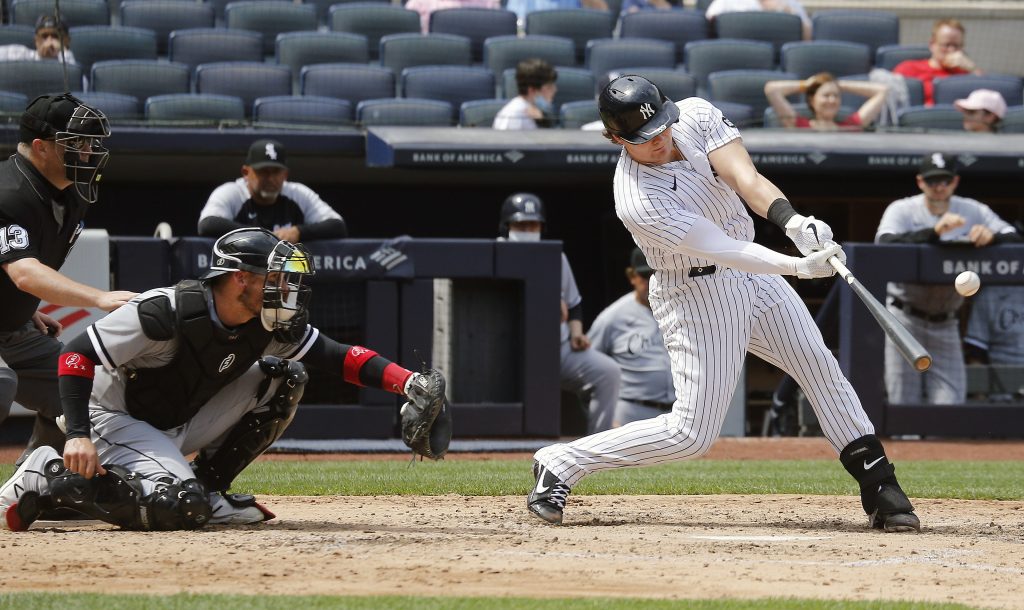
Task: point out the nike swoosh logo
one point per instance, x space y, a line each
252 216
868 466
540 483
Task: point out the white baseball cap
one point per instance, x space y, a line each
984 99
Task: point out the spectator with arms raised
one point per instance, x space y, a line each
824 94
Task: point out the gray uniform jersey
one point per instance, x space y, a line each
570 295
627 331
227 199
997 324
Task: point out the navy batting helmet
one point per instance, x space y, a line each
520 207
634 109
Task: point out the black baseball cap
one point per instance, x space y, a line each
639 262
937 164
46 115
266 153
49 22
634 109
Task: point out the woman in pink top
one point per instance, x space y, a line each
824 94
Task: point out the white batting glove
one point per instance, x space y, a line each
808 233
816 264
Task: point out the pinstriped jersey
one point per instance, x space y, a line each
658 204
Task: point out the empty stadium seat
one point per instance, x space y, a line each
477 24
270 18
480 113
299 49
114 105
207 45
741 115
674 84
94 43
452 84
324 6
244 80
404 112
942 117
302 110
579 25
950 89
165 16
676 26
25 35
373 20
872 28
352 82
744 87
194 107
776 28
890 56
606 54
34 78
73 12
573 115
12 102
839 58
706 56
401 51
1013 122
504 52
574 84
140 78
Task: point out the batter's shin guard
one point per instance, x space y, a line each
257 430
880 493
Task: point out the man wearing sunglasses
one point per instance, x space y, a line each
931 311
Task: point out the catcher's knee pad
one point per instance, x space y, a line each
865 459
170 506
257 430
112 497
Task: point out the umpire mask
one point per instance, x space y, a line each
285 296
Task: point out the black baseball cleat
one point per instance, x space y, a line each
895 513
547 498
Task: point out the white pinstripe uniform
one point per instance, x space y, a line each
710 322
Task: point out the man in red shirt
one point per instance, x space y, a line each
948 58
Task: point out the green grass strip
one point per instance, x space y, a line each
92 601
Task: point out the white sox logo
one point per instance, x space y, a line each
227 362
938 161
647 110
270 152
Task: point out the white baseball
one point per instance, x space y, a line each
967 283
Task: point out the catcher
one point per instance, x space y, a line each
209 366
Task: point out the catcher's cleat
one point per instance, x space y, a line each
20 502
237 509
547 498
894 512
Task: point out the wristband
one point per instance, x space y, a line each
780 211
75 364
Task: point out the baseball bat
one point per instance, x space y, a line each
910 348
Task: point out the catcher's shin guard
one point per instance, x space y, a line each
257 430
887 506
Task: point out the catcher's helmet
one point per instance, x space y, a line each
634 109
520 207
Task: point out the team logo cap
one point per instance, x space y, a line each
937 164
266 153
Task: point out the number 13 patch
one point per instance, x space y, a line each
13 237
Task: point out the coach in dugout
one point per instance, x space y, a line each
46 188
263 197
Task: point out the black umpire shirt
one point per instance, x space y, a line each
36 221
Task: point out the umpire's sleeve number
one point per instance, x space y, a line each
13 238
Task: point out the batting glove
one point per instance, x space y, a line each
808 233
816 264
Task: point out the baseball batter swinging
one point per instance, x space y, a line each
716 296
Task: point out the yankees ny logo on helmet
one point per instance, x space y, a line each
647 110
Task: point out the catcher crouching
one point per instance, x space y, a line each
215 366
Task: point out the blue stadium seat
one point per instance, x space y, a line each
299 49
93 43
207 45
270 18
244 80
140 78
504 52
25 35
872 28
776 28
938 117
352 82
373 20
948 90
480 113
676 26
579 25
194 107
324 6
34 78
165 16
890 56
115 105
404 112
606 54
574 84
915 89
741 115
477 24
73 12
302 110
12 102
452 84
839 58
220 9
706 56
401 51
674 84
1013 122
573 115
744 87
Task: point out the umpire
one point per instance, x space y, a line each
45 192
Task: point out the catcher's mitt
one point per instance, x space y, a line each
426 418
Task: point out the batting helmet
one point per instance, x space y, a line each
634 109
520 207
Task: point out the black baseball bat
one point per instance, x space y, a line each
910 348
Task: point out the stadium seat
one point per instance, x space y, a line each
207 45
193 107
872 28
606 54
573 115
373 20
401 51
93 43
948 90
25 35
676 26
706 56
915 89
73 12
574 84
1013 122
839 58
943 117
504 52
140 78
34 78
299 49
115 105
452 84
890 56
579 25
352 82
165 16
324 6
270 18
741 115
12 102
771 120
302 110
477 24
404 112
479 113
702 5
744 87
674 84
776 28
244 80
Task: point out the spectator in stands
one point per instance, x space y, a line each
792 7
582 370
632 6
532 108
948 58
523 7
426 7
51 37
263 197
627 331
931 312
982 110
824 94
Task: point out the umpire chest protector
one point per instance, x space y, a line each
209 357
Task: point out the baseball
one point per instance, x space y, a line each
967 283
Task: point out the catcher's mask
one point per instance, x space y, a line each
79 129
284 266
